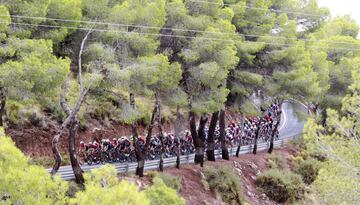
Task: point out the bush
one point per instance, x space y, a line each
102 186
281 186
171 181
319 156
160 194
225 183
277 161
308 170
73 189
22 183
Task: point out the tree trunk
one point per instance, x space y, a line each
256 138
210 151
55 151
240 138
78 172
161 136
224 150
178 128
323 117
139 154
273 136
162 150
55 143
239 146
199 155
194 134
150 128
2 105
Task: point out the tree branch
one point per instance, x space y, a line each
80 59
63 101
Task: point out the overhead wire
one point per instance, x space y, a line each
166 28
168 35
259 8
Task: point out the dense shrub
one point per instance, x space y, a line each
319 156
102 186
21 183
171 181
280 185
308 170
160 194
73 189
277 161
225 183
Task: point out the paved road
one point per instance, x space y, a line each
290 125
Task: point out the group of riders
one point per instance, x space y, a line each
122 149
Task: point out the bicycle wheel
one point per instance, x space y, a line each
89 160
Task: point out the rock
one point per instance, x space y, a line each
139 184
263 196
250 194
252 165
253 177
200 174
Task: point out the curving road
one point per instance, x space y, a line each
290 123
290 126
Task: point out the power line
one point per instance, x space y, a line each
259 8
166 28
165 35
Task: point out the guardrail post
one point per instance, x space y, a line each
127 167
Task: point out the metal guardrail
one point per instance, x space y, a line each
68 174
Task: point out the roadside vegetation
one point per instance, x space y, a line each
102 186
66 63
225 183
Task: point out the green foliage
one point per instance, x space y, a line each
22 183
338 141
308 170
253 21
280 185
171 181
155 73
160 194
103 187
73 189
97 9
225 183
277 161
249 109
62 9
245 82
37 72
339 26
5 21
36 8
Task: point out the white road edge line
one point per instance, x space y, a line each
282 126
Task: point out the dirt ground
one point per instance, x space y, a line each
247 166
35 141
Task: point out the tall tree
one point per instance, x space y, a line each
339 142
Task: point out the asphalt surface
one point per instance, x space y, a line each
290 125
